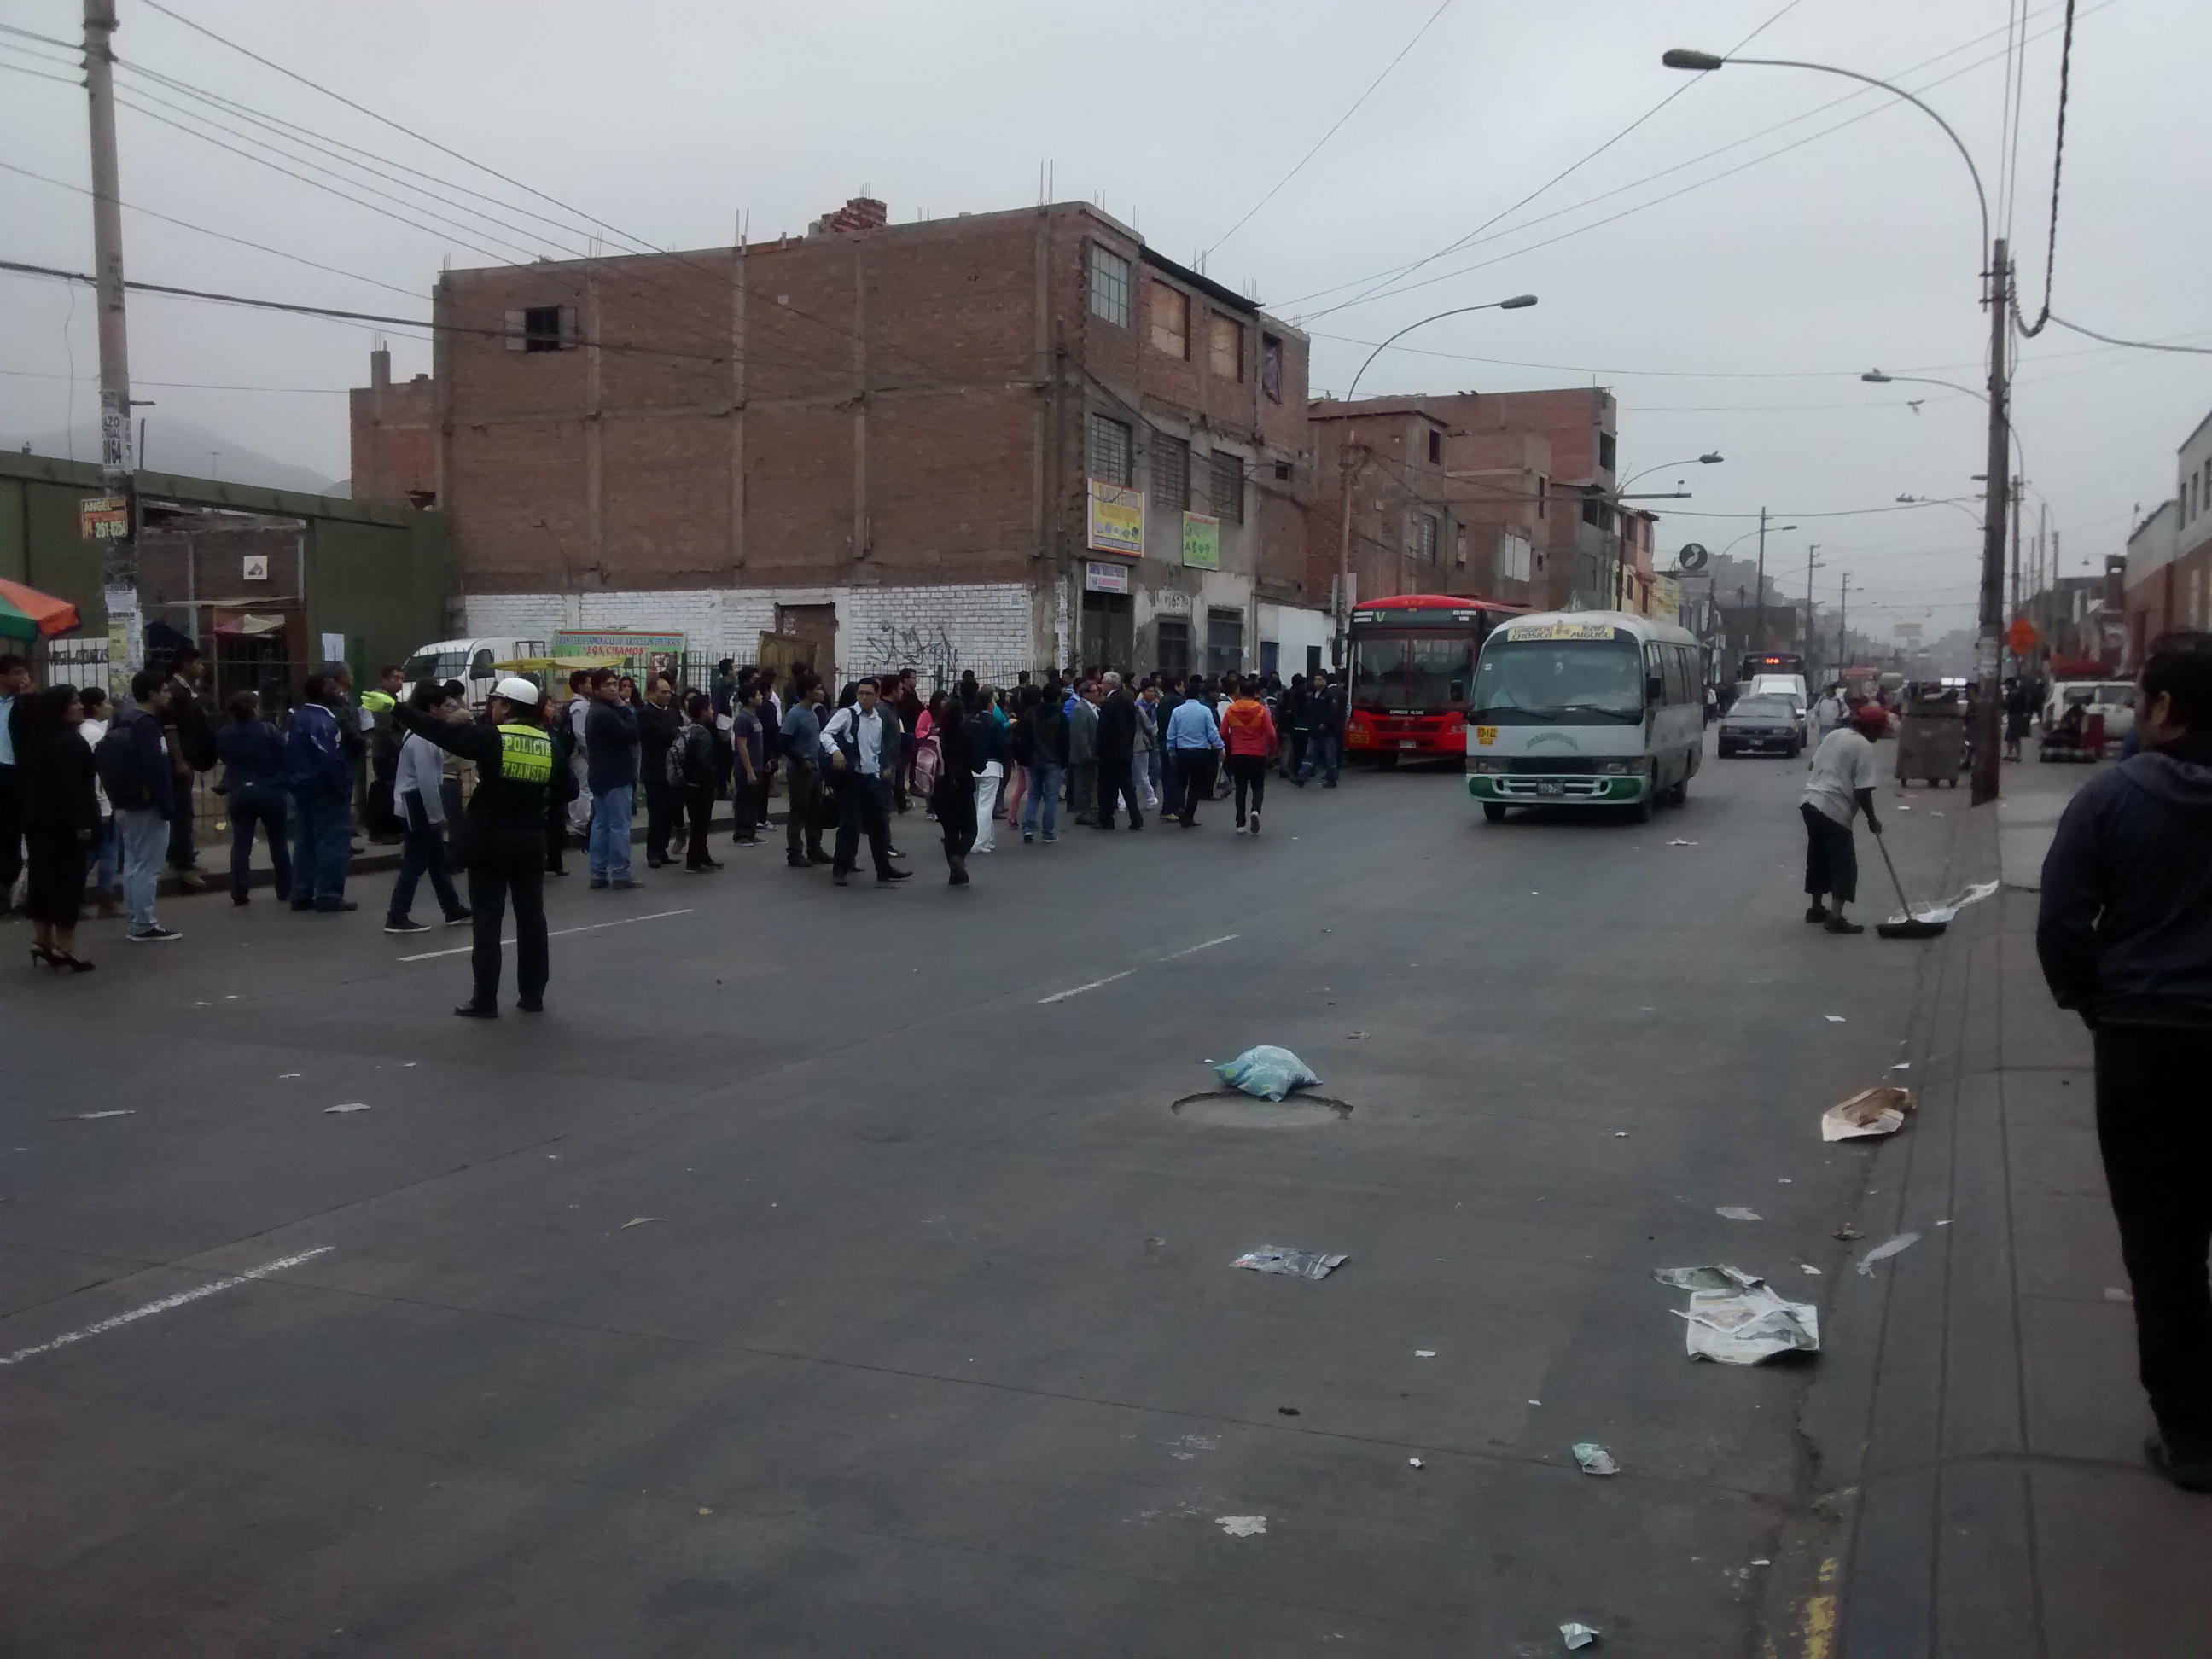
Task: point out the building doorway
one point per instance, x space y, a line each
1175 646
1225 642
816 625
1109 636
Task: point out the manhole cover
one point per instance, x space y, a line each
1232 1109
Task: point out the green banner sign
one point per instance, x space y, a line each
1202 542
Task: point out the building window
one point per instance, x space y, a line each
1109 286
1543 494
1174 645
1425 537
1170 473
542 328
1271 367
1458 550
1435 448
1589 509
1225 642
1225 345
1109 450
1282 471
1227 494
1605 451
1170 321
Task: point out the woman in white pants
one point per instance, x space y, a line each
986 732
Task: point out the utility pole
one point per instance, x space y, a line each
1346 468
1844 629
1758 625
1811 548
2016 487
119 568
1988 717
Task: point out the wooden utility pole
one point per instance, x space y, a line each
1759 626
1988 648
119 567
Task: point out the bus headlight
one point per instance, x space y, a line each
1617 768
1483 764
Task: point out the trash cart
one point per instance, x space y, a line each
1931 743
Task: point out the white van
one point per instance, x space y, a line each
1585 708
468 661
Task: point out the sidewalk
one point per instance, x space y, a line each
1980 1422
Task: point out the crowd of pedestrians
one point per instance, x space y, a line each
100 801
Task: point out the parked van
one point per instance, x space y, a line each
1585 708
469 661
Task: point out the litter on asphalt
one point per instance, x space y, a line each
1681 843
1736 1213
1267 1072
1744 1323
1833 1019
1413 1463
1870 1112
119 1111
1594 1459
1425 1354
1847 1233
1298 1264
1578 1636
636 1221
1884 1250
1951 907
350 1106
1241 1526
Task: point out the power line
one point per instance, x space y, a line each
2058 157
43 39
2139 345
1331 133
179 385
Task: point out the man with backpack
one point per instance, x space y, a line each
134 765
191 750
862 745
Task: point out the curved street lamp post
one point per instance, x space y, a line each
1996 294
1518 302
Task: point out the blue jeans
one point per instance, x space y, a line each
143 833
423 852
1322 754
322 849
610 848
1044 787
110 857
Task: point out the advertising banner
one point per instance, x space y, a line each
637 644
1117 520
1202 542
104 518
1104 576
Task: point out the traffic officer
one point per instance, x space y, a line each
500 837
376 706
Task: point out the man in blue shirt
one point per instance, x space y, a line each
1193 742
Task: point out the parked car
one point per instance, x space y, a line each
1768 723
2114 699
469 661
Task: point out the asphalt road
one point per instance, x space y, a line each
929 1340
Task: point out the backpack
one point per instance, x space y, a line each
121 771
928 761
674 767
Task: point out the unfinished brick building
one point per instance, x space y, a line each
1504 495
998 442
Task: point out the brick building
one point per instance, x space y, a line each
395 437
2169 558
998 442
1504 495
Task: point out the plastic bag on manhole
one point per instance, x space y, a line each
1301 1264
1267 1072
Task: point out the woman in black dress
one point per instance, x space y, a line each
61 821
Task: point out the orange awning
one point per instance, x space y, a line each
51 615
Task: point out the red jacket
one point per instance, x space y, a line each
1246 728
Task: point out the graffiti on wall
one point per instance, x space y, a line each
890 646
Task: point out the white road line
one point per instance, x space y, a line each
558 933
1062 996
1195 949
167 1302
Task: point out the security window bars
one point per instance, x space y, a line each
1425 537
1170 473
1109 286
1228 487
1109 450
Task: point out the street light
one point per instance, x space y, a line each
1995 501
1518 302
1710 457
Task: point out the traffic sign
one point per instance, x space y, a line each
1692 557
2022 637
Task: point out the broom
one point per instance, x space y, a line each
1913 926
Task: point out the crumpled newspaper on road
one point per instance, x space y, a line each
1299 1264
1734 1318
1950 907
1879 1111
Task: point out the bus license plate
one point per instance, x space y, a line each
1408 743
1551 786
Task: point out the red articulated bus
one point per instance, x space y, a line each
1412 665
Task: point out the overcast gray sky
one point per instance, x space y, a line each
1736 315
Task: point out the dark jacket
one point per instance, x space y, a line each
512 811
53 768
610 761
1047 733
801 737
1117 728
315 759
657 728
144 733
2125 930
987 734
252 757
959 757
702 754
195 746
